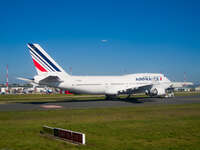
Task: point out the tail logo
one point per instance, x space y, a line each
38 66
42 62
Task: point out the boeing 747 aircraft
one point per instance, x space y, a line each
51 74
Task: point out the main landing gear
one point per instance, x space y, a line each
128 96
109 97
169 95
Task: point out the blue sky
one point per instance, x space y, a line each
140 36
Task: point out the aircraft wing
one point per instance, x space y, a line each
130 89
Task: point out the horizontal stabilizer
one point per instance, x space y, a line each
50 79
25 79
31 81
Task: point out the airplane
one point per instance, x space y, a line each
51 74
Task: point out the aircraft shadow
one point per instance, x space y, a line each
128 100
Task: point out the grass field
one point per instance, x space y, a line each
166 127
45 97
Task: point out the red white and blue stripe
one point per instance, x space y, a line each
41 60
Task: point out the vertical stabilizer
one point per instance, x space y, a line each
42 61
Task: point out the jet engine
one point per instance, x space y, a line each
156 91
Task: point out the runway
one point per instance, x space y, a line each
98 103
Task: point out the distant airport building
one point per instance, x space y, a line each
30 89
26 89
184 89
197 88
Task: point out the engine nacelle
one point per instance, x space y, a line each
156 91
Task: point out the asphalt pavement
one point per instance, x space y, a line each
98 103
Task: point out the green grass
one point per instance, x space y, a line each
45 97
166 127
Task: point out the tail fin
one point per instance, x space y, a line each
42 61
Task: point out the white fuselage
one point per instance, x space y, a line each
110 84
